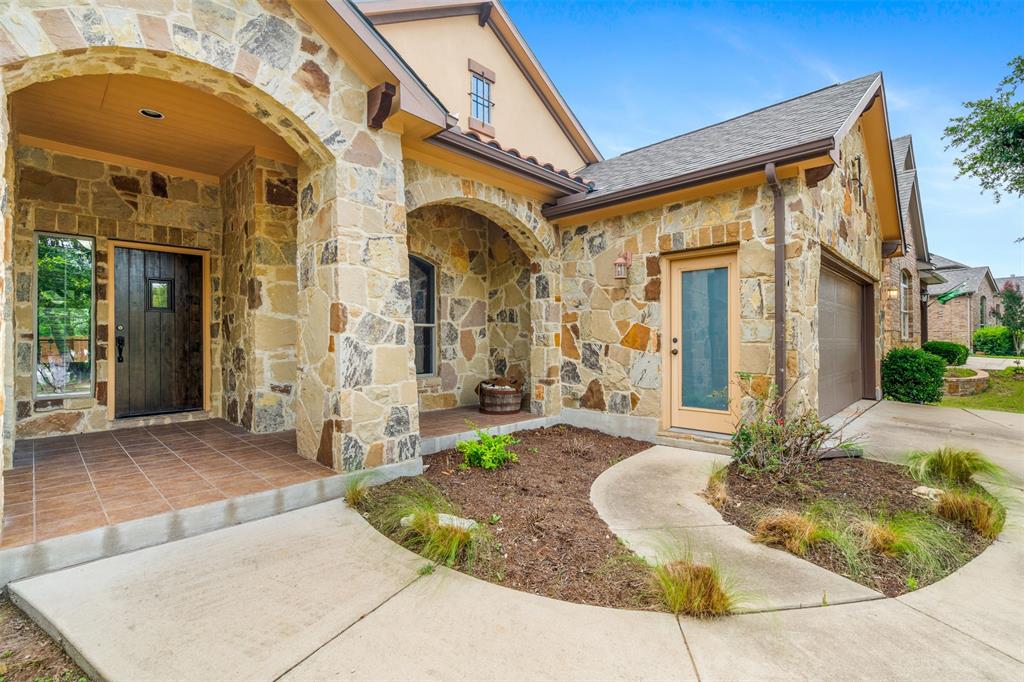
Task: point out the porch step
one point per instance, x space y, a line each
705 441
69 550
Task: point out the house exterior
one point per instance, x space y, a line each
962 303
908 274
333 219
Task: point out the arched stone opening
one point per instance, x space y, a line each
347 184
480 305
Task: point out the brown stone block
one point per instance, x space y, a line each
593 397
652 290
637 337
653 264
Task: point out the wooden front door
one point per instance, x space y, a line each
703 343
158 337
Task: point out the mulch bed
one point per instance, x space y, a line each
853 483
27 654
551 539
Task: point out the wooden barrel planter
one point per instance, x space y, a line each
496 399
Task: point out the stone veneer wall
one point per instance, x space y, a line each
60 193
611 331
258 318
483 302
522 220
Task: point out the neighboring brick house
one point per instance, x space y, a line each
262 213
971 294
907 275
1001 282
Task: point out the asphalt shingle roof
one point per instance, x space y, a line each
941 262
970 277
900 147
808 118
905 180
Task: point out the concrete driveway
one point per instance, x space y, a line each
889 430
979 362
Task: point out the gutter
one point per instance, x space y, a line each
780 285
455 141
584 202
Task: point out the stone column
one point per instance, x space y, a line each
356 403
7 403
545 351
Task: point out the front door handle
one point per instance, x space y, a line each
675 351
120 349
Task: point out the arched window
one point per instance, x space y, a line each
424 314
984 311
905 304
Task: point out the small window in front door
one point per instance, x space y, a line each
161 294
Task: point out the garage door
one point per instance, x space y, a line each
840 315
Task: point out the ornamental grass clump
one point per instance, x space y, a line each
411 518
715 492
693 589
950 465
979 510
787 528
928 549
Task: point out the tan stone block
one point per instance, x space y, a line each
391 364
274 332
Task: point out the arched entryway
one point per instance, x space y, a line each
301 257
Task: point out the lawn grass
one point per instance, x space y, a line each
1004 394
960 372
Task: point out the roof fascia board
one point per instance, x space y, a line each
413 95
920 237
480 151
580 203
494 16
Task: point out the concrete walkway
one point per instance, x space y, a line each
318 594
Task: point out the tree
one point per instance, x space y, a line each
1012 314
991 137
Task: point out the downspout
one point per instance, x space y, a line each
780 286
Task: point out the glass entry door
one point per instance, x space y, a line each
703 342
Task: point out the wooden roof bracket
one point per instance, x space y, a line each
378 104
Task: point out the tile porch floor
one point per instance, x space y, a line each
444 422
69 484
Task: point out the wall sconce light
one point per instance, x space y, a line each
894 293
622 263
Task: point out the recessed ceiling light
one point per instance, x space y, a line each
151 113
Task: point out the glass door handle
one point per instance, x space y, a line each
120 349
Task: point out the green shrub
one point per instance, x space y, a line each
949 465
952 353
487 451
911 375
993 341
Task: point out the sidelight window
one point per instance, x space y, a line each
905 303
424 310
64 315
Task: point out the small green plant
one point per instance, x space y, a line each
979 510
766 444
487 451
911 582
834 525
427 568
993 340
960 372
911 375
952 353
949 465
493 519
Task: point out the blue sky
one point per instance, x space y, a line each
639 72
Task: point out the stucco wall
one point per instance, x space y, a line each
65 194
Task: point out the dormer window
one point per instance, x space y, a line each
481 104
